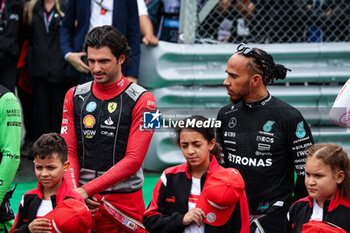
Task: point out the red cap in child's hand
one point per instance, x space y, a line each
321 227
221 191
70 216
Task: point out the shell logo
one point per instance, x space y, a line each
89 121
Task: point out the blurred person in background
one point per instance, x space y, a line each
326 20
317 15
165 15
48 67
146 27
229 20
11 20
25 95
83 15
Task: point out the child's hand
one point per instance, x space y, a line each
93 204
195 215
40 225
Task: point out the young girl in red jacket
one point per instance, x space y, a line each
175 196
327 179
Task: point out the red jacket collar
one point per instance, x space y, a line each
333 204
339 200
213 166
61 189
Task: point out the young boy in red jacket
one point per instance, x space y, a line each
50 162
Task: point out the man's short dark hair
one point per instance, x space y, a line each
51 143
110 37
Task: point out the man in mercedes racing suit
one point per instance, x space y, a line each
263 137
102 125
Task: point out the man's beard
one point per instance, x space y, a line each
235 101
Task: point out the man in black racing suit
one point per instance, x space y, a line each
263 137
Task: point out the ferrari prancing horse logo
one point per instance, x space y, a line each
112 106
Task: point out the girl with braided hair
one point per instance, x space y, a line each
327 181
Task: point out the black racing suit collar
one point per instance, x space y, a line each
259 103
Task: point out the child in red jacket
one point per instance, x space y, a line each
50 162
327 179
199 195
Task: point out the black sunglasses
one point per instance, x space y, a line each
242 48
250 52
